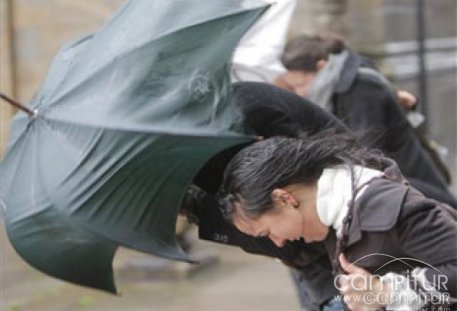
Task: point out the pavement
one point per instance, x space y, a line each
229 280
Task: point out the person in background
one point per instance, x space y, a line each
292 82
326 71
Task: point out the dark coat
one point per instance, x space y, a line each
365 101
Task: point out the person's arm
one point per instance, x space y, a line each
429 235
425 233
271 111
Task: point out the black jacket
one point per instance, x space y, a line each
365 102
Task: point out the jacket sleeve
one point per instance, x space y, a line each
270 111
427 232
371 111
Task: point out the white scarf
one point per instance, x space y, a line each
326 80
334 192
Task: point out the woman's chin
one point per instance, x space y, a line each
316 238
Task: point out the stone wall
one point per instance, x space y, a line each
41 27
315 15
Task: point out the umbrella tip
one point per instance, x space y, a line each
31 113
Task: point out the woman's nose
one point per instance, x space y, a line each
277 241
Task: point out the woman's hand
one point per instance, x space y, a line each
362 291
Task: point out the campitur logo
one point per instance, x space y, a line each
409 288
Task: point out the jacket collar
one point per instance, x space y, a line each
350 71
379 206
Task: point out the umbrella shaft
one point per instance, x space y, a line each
17 105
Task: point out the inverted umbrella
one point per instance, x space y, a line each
123 122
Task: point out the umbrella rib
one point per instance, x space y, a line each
159 130
71 150
48 87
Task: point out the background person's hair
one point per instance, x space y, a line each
258 169
304 52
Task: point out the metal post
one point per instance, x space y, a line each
421 57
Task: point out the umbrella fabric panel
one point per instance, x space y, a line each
125 186
156 94
40 233
60 249
58 69
148 62
61 64
76 199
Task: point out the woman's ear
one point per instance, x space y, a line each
281 196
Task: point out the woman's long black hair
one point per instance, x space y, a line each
258 169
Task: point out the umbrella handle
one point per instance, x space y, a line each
17 105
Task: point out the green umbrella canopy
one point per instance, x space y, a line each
123 122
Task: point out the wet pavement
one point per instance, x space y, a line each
237 281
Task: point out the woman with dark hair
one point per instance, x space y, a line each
326 71
327 190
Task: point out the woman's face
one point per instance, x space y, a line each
298 81
293 216
280 225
